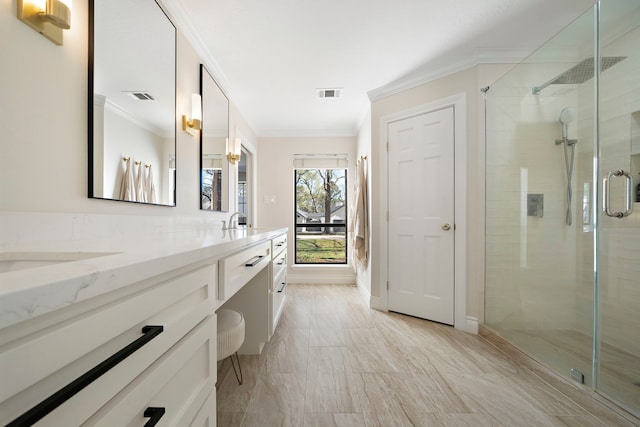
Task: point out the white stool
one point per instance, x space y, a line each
230 337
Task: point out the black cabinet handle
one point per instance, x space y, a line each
253 261
43 408
154 415
284 285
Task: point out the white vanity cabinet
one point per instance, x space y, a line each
171 365
277 291
130 340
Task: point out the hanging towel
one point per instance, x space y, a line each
361 220
141 184
151 189
126 188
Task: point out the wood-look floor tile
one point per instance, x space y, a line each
326 320
363 336
236 397
357 316
328 359
287 351
278 400
326 337
379 404
394 331
494 395
334 362
331 391
333 420
375 358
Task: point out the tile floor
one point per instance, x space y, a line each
334 362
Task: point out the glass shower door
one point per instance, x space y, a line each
618 252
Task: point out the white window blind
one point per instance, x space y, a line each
212 161
320 161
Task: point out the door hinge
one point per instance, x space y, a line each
387 145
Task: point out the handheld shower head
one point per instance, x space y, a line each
567 115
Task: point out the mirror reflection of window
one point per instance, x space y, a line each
214 170
211 180
243 193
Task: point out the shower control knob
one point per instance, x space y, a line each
446 227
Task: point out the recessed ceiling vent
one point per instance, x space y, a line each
329 92
142 96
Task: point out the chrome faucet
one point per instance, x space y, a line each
232 224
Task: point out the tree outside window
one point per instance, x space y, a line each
321 216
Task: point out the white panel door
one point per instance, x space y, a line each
421 214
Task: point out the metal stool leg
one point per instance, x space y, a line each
239 378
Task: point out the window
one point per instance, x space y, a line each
321 215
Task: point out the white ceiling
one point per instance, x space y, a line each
270 56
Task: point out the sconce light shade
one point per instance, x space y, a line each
234 150
48 17
195 124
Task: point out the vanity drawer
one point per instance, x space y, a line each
279 244
62 353
236 270
278 295
279 264
178 383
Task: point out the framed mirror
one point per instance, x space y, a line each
132 102
214 166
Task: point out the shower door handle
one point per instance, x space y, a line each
606 194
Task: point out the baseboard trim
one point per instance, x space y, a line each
308 277
472 325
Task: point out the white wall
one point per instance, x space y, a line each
364 149
275 164
469 82
43 125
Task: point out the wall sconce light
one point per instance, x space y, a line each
233 150
48 17
195 124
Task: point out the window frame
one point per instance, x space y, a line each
322 224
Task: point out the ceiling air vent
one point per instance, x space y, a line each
329 93
142 96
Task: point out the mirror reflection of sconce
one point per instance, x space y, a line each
233 150
48 17
191 126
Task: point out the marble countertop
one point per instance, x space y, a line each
30 292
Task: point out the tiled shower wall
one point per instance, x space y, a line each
531 261
539 272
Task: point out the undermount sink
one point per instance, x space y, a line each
13 261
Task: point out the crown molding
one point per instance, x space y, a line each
181 20
307 133
481 56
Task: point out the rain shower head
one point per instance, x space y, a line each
580 72
567 115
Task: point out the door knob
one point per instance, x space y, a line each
446 227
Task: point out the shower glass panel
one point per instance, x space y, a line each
619 238
563 203
539 292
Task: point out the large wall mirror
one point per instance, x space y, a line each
214 167
132 102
